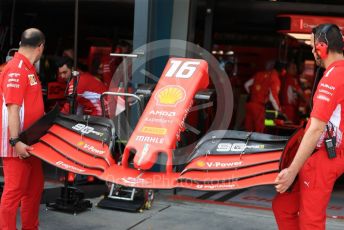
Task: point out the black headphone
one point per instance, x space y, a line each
321 48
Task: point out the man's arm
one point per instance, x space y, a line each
273 98
275 86
309 141
248 84
14 130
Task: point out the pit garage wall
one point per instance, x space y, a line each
156 20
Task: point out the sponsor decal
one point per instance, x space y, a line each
84 129
236 147
200 163
14 74
330 87
13 80
158 120
154 130
13 85
325 92
32 79
215 186
218 164
132 180
170 95
156 140
162 113
323 98
182 123
307 25
93 149
224 147
255 146
68 167
80 143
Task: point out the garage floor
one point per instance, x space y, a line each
249 209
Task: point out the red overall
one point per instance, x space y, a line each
305 207
266 86
24 180
288 96
89 90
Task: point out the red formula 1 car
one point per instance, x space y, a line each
222 160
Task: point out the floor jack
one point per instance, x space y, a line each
71 199
119 197
127 199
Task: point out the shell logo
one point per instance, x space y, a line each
80 143
200 163
170 95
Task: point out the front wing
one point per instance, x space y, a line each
81 154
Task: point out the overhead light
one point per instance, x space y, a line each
300 36
230 52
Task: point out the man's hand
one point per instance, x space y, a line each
284 180
22 150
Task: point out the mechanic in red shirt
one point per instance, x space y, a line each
21 105
109 64
290 93
89 89
305 206
264 86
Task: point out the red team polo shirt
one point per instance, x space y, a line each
329 100
19 84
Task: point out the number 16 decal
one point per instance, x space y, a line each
180 69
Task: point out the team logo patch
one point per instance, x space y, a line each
32 79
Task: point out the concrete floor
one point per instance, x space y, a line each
167 214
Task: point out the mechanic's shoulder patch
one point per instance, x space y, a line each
32 79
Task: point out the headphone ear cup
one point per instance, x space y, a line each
321 49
